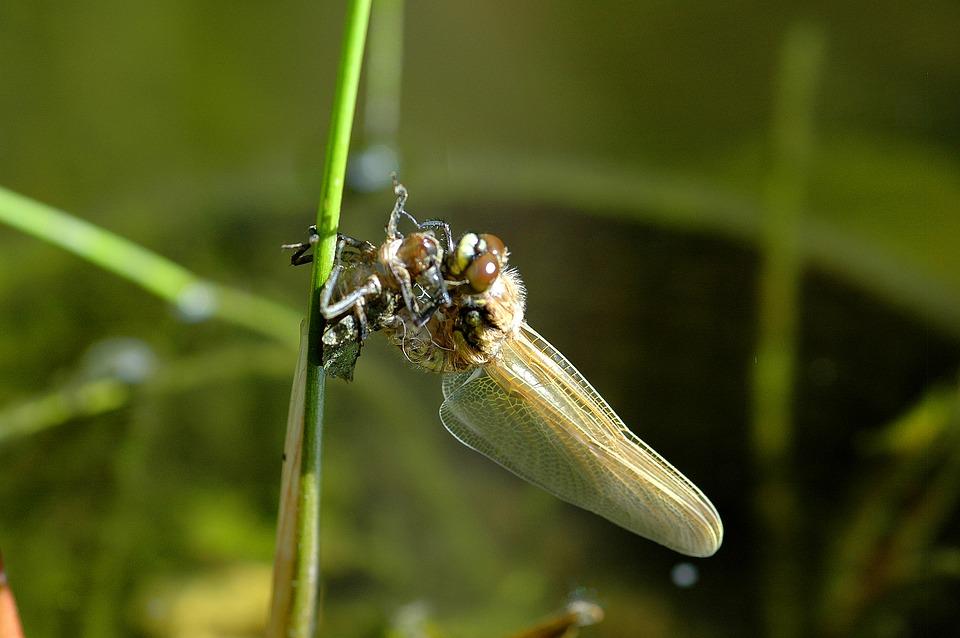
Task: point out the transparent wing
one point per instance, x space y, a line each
534 413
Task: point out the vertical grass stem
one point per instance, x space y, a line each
776 350
305 595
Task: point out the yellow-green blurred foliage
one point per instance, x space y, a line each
624 151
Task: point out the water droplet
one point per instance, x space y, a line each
196 302
684 575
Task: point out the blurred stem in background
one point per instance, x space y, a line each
195 298
125 523
84 398
687 203
381 111
888 539
775 363
371 167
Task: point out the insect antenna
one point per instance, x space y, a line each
401 192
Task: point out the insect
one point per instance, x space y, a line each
457 308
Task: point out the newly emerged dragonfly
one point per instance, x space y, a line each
457 309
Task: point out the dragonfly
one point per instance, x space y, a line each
457 308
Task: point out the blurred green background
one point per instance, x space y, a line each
740 221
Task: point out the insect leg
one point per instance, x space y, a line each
401 192
430 224
361 318
402 276
406 287
298 258
420 314
353 298
327 291
412 219
398 209
434 277
426 313
346 241
434 224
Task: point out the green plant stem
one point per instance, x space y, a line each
71 401
888 538
193 295
779 291
307 567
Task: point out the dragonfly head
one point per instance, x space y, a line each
478 259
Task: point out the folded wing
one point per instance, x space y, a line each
534 413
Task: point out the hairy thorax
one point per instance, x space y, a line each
469 332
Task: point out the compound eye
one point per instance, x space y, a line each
463 254
483 271
494 246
